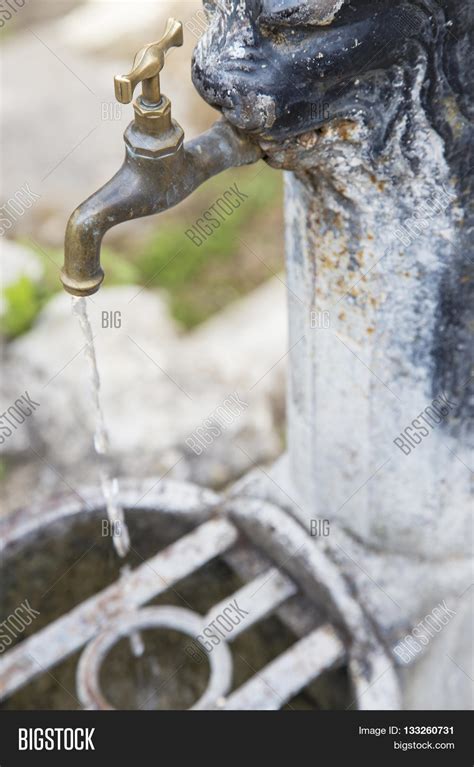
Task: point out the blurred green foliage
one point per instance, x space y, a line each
22 303
203 278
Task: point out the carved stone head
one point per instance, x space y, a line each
357 95
281 68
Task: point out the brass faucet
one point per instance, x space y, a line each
159 169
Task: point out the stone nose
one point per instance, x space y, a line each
240 23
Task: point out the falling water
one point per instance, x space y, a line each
109 483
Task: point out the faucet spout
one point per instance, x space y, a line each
155 176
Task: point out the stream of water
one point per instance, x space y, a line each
109 483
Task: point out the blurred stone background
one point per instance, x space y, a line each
197 324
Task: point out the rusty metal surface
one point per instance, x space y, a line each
60 639
301 569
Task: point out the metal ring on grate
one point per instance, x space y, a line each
175 618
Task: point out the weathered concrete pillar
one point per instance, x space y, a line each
375 423
368 106
376 432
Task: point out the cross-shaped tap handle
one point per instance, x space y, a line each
148 63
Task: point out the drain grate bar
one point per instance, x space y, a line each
258 598
272 687
55 642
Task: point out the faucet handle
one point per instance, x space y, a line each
148 63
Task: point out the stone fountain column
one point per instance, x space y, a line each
367 110
377 438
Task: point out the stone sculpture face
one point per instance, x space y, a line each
299 75
279 68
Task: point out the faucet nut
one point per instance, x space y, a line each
154 119
141 142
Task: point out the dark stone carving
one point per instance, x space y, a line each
282 69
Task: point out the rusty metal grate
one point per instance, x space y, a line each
222 527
